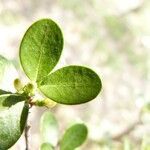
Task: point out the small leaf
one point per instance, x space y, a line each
46 146
4 92
13 115
41 48
3 65
7 74
71 85
146 108
127 144
145 145
74 137
44 102
116 26
49 129
17 84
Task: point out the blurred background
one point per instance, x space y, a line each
110 36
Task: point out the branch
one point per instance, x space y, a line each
128 129
26 134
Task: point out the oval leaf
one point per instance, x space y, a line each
74 137
13 115
49 129
71 85
41 48
46 146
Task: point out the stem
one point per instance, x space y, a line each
26 134
130 128
126 131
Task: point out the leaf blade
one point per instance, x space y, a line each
41 48
46 146
74 137
71 85
49 128
7 68
3 64
12 119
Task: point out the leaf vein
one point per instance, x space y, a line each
41 53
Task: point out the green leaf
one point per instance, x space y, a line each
74 137
127 144
116 26
46 146
4 92
49 128
71 85
7 74
3 66
41 48
13 115
146 108
145 143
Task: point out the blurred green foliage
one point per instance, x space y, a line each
117 34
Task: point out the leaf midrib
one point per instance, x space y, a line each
2 95
41 52
70 85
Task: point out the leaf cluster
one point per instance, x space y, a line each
40 51
73 137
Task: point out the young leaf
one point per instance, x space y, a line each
49 128
41 48
13 115
71 85
74 137
46 146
